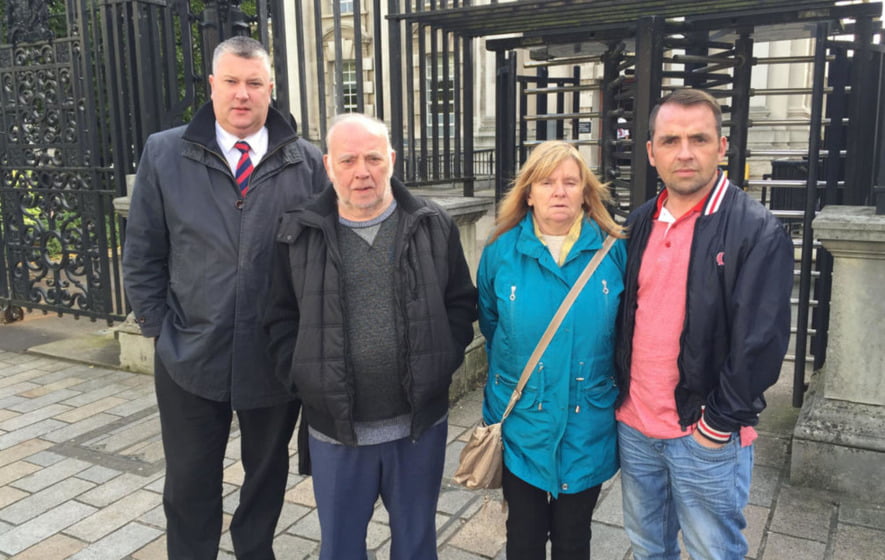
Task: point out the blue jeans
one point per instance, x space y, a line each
672 484
348 480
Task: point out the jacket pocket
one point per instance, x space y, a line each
601 395
503 386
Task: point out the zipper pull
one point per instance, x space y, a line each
604 287
512 293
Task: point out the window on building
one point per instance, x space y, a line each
440 93
345 5
349 86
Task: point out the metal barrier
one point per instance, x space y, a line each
644 55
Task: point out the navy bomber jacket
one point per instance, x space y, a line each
737 314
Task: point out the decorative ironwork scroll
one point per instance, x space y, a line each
58 235
28 21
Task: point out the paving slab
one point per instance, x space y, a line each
609 542
56 547
37 329
757 519
764 485
483 534
119 544
803 513
37 529
783 547
854 542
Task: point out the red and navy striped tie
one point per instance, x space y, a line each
244 167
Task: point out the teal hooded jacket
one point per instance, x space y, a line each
561 435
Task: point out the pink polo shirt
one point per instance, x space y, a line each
650 406
660 314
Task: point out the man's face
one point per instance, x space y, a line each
359 164
686 149
240 94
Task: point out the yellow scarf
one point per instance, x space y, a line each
570 238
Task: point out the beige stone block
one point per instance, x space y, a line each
21 377
10 495
302 493
23 450
136 351
15 471
56 547
484 533
153 551
46 389
235 474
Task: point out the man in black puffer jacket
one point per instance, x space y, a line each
372 306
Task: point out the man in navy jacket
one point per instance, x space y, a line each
197 259
703 329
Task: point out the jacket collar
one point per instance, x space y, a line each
717 194
710 203
201 129
590 238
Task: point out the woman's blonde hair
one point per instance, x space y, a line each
542 162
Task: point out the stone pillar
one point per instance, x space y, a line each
839 439
467 212
136 351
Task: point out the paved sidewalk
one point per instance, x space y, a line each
81 475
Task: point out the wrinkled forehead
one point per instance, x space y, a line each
351 138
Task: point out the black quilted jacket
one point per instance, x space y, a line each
305 318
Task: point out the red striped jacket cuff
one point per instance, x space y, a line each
712 434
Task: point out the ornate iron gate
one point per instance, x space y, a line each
58 233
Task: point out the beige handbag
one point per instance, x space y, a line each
482 459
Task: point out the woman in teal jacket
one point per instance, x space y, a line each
559 440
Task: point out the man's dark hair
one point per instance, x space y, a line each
687 98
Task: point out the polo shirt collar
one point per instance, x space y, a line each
708 205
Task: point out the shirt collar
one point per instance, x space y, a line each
257 142
718 189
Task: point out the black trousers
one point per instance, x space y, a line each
533 517
195 433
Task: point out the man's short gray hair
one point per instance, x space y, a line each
243 47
